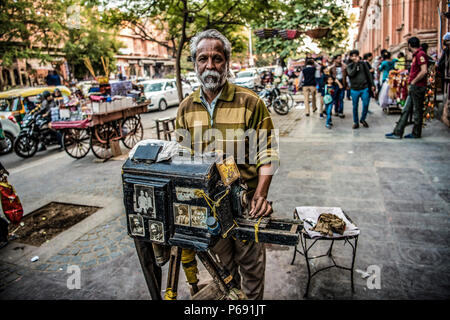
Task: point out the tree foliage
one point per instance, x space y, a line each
41 29
182 19
29 29
306 15
90 40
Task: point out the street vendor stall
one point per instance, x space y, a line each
103 120
394 91
100 130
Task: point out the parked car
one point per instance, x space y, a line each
11 130
193 82
248 79
163 93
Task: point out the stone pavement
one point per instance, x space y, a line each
397 192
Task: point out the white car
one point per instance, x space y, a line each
163 93
247 78
193 82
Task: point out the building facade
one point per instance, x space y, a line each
144 58
138 58
387 24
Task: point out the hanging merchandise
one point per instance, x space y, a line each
318 33
266 33
398 86
430 97
289 34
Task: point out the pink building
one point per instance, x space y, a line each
387 24
144 58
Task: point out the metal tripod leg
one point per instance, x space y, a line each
214 270
152 272
173 275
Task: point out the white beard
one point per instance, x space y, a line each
211 80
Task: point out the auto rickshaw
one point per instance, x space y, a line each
12 101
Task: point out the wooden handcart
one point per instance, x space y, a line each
98 132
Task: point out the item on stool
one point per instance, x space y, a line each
329 223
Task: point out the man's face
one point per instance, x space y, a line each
338 60
370 58
410 49
210 64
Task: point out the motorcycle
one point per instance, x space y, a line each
272 98
35 130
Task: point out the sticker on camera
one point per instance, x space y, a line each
136 225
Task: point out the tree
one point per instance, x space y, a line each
29 29
90 40
305 15
184 18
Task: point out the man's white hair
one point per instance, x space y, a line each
210 34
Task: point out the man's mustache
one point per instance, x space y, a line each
211 73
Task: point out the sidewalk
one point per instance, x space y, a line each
397 192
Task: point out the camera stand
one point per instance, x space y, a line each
223 287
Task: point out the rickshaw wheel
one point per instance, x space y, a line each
100 138
76 142
132 131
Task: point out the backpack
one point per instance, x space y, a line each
12 208
327 99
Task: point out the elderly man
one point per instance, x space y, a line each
228 111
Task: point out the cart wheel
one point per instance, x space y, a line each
100 137
76 142
132 131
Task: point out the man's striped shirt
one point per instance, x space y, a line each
241 125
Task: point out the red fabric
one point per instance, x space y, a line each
12 208
419 58
79 124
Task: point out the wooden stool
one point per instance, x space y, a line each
166 130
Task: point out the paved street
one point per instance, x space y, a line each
397 192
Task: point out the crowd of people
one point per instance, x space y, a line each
365 77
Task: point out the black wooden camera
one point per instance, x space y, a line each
192 201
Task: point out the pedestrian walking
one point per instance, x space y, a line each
339 72
308 82
416 92
387 65
329 92
320 81
361 82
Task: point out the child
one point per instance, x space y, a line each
329 94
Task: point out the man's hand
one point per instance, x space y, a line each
260 207
373 90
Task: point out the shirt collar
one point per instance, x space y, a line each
213 103
418 51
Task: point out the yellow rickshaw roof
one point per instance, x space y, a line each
33 91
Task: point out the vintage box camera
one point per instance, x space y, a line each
191 201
